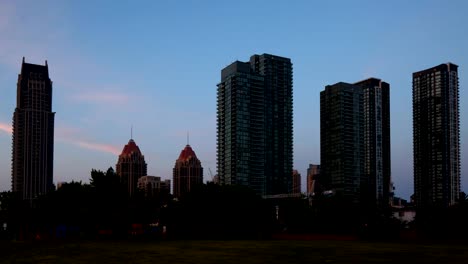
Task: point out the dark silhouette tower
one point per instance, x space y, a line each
355 141
254 124
33 133
376 107
436 136
131 166
187 172
341 141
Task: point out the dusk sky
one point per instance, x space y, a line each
155 65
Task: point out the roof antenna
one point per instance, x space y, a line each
188 138
23 59
131 132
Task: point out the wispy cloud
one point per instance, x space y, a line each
74 136
4 127
95 146
70 135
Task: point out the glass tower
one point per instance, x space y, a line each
436 136
254 124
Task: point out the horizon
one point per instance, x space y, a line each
150 73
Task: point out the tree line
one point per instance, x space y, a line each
103 209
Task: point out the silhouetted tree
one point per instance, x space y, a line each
214 211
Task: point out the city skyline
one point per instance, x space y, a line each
166 69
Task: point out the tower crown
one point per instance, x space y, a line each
130 148
186 154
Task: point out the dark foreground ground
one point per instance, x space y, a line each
244 252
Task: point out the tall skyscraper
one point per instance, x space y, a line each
313 174
296 182
131 166
355 141
187 173
436 136
33 133
376 107
341 140
255 124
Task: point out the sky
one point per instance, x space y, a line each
154 65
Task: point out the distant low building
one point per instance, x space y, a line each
402 210
60 184
399 202
149 184
296 180
313 173
404 214
216 179
166 187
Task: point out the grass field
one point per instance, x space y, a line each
243 252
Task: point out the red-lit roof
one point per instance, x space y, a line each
187 153
130 148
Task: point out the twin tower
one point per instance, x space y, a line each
132 169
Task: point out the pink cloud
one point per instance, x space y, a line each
73 135
69 135
4 127
95 146
67 132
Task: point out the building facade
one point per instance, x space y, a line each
33 133
296 182
166 187
313 175
254 124
376 107
131 166
342 140
187 172
150 185
436 136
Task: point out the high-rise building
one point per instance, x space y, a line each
131 166
187 172
436 136
341 140
255 124
296 182
376 107
313 174
33 133
355 141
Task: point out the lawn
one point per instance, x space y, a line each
244 252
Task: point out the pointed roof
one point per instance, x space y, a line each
130 148
186 154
